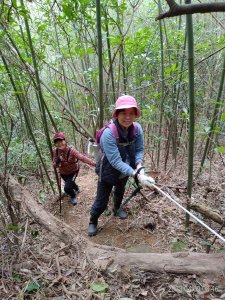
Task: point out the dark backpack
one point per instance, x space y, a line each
111 125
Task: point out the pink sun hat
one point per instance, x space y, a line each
124 102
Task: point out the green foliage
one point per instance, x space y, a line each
178 246
32 286
17 277
184 114
34 233
99 286
12 227
223 117
42 195
220 149
65 42
107 212
148 113
205 243
22 11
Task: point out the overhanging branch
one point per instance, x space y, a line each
187 9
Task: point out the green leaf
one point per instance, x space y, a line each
107 212
223 117
14 2
178 246
68 11
32 286
205 243
17 277
220 149
220 103
99 286
12 227
23 12
34 233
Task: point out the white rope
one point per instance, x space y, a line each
188 212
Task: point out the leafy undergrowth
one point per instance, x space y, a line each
44 268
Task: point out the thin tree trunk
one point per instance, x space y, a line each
162 85
100 62
110 57
191 107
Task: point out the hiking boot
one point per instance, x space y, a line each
92 229
73 200
120 213
117 210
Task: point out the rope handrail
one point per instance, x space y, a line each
187 211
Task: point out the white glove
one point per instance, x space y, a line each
145 180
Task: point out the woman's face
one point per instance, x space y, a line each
61 144
126 117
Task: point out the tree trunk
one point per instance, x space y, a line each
191 89
100 62
111 259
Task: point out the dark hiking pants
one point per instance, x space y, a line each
70 187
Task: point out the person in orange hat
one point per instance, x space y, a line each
66 158
121 158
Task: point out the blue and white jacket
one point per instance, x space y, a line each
119 159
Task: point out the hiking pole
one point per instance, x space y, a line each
60 194
151 185
60 191
122 205
134 193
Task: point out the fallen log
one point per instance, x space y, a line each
208 212
179 263
112 259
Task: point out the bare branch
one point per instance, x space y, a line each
187 9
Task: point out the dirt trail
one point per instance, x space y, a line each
125 234
170 233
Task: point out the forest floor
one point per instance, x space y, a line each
155 224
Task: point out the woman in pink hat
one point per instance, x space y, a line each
66 158
121 158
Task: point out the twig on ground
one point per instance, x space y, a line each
24 238
56 252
